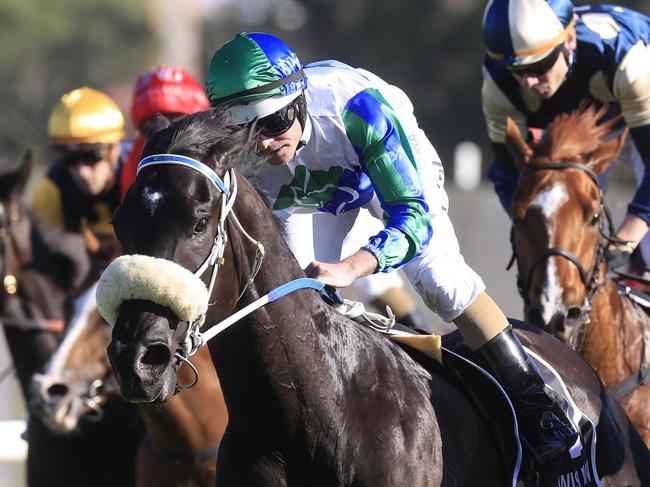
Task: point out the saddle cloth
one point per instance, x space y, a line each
575 468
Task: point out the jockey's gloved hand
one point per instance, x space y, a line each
617 257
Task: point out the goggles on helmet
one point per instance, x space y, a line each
540 67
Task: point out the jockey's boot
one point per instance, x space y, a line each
540 412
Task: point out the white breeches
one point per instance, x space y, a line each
440 275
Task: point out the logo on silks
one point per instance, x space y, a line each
335 191
576 467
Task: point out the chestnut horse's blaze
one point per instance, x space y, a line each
561 229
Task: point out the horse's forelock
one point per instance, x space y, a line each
208 137
572 136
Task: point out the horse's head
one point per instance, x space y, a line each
558 216
15 228
172 213
78 378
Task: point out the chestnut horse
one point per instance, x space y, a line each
182 437
313 398
561 229
36 282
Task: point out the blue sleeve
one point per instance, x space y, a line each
504 175
640 205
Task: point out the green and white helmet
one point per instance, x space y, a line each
254 75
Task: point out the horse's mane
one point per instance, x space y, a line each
209 137
573 135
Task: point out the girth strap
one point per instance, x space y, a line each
195 457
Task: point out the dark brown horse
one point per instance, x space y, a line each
182 437
561 229
36 283
313 398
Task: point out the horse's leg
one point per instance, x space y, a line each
53 460
239 465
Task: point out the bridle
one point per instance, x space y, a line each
228 187
589 279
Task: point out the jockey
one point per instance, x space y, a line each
168 90
85 129
546 56
173 92
339 139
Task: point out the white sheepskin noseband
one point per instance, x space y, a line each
148 278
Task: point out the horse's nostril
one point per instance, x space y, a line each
574 313
156 355
57 390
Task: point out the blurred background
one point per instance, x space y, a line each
431 49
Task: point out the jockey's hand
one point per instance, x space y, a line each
345 272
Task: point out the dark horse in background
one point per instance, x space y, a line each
313 398
36 285
561 229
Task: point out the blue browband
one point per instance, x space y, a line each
178 160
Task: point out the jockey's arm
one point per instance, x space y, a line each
636 222
387 158
341 274
496 110
632 90
47 206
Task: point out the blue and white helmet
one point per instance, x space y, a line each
518 32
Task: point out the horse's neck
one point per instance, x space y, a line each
194 419
262 358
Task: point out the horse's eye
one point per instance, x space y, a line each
201 225
595 218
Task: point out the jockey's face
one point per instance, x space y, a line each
545 85
94 176
280 149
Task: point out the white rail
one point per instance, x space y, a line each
12 447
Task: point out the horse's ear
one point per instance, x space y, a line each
158 123
606 153
520 151
24 172
15 182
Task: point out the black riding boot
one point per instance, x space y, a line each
542 422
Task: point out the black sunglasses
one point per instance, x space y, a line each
279 122
540 67
86 157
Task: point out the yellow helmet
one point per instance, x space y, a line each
85 116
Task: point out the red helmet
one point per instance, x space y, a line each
167 90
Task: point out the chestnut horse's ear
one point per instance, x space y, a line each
606 153
520 151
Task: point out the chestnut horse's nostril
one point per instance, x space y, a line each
574 313
57 391
156 355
